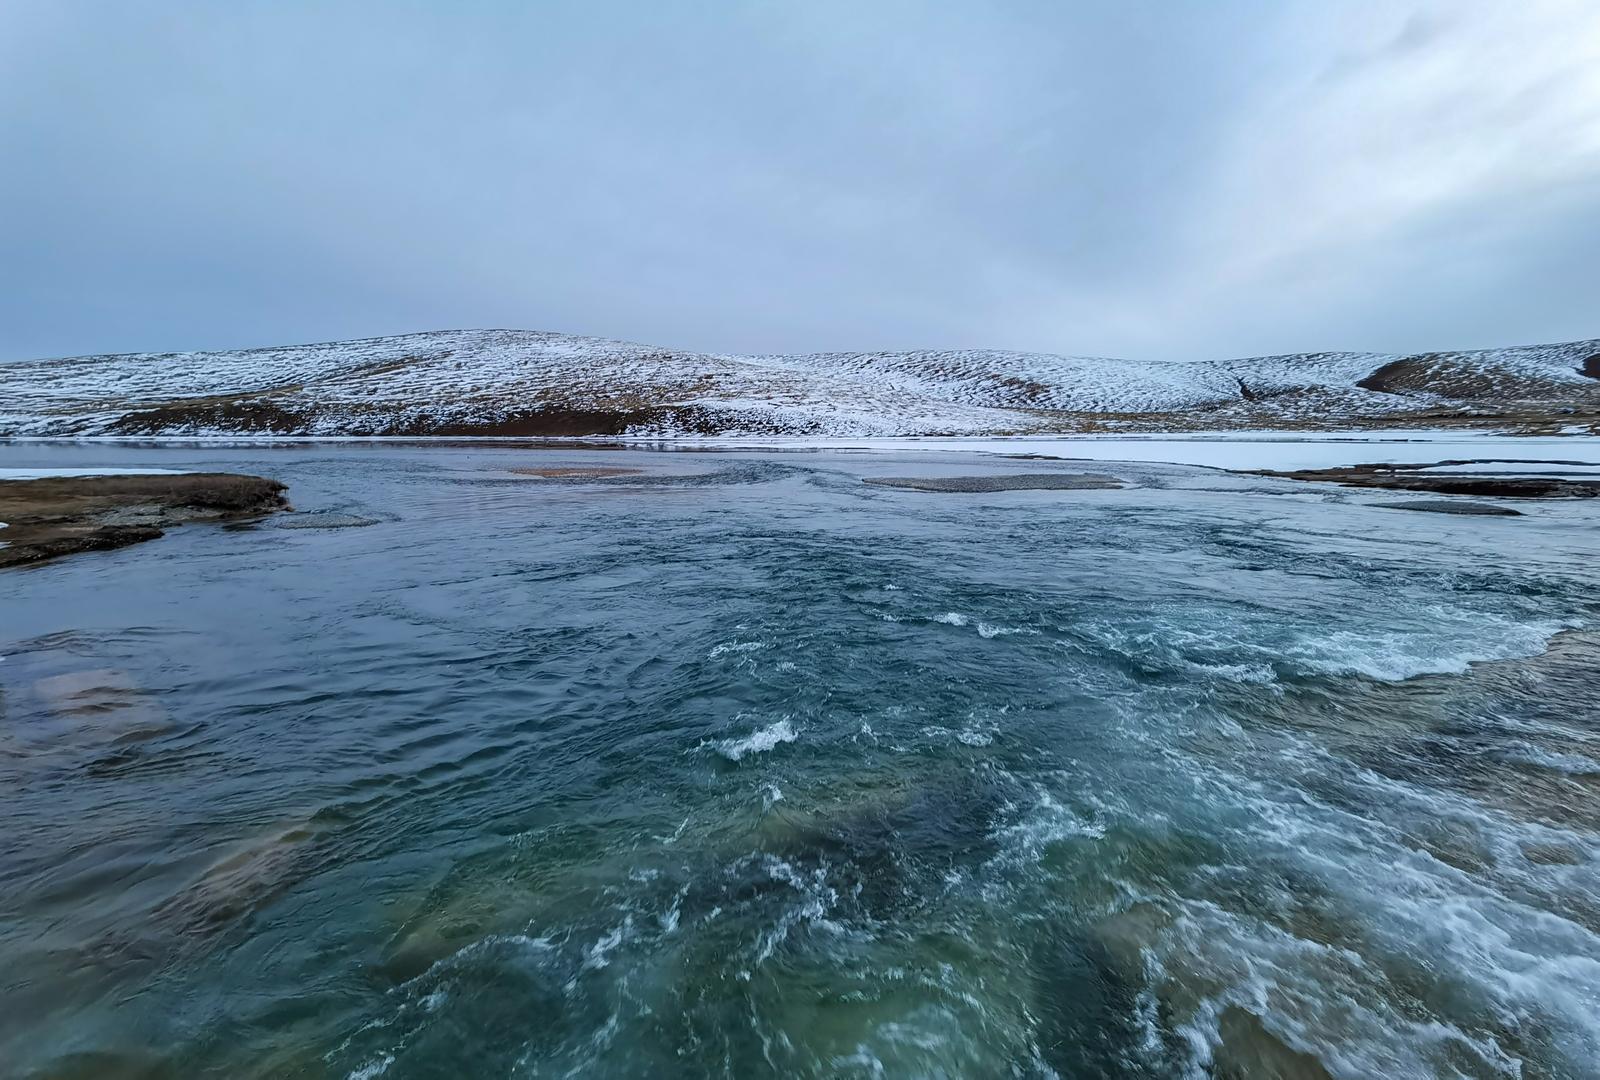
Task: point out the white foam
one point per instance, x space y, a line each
1571 764
969 736
1241 673
817 899
668 920
377 1067
1246 646
757 742
1461 640
729 647
1046 823
599 954
986 630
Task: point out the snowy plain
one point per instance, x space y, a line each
107 470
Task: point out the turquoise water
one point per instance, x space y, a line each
741 767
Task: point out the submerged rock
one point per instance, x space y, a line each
1041 481
1449 506
324 519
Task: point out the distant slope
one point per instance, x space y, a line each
512 382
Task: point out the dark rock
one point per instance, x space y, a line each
324 519
1447 506
1417 478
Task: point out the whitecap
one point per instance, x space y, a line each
1571 764
668 920
969 735
599 954
987 631
1251 648
952 618
1047 823
1459 640
1240 673
757 742
734 647
374 1068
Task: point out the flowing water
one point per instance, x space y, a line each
738 766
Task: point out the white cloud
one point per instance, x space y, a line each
1413 115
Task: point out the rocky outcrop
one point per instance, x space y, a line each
1418 478
53 516
1452 506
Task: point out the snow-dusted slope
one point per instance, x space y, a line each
527 383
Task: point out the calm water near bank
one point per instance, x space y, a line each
739 766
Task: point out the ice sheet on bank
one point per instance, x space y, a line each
50 474
1277 450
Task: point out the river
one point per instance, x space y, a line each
738 766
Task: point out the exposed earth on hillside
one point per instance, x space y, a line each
526 384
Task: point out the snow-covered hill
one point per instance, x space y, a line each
511 382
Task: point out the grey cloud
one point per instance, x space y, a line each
1102 179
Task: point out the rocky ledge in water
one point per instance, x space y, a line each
48 517
1418 478
1452 506
1042 481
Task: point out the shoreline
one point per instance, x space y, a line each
1281 450
57 504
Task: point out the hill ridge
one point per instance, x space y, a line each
529 382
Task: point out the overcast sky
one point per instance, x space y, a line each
1155 180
